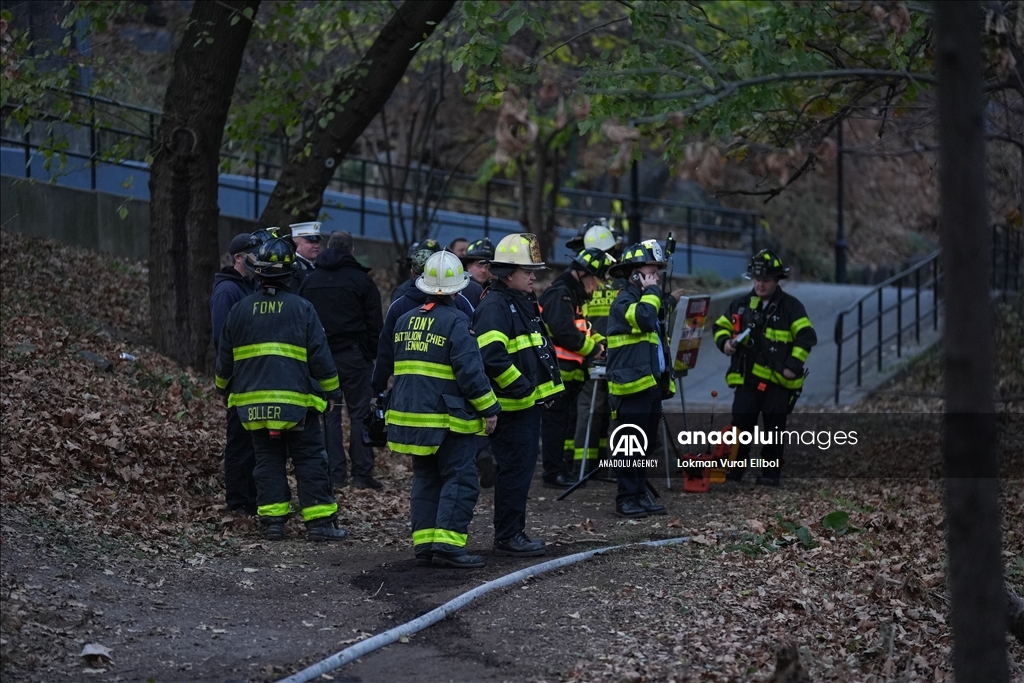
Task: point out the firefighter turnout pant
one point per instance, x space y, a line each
642 409
597 447
773 404
444 492
306 449
515 443
558 427
239 462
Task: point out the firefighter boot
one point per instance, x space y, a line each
325 529
273 528
462 561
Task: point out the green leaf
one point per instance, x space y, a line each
836 520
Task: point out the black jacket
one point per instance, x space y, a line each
561 309
636 339
273 362
518 356
473 292
228 289
440 385
781 337
385 365
347 301
403 288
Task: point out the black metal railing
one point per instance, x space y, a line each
1007 259
109 128
925 276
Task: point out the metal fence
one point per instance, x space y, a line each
883 309
889 318
118 133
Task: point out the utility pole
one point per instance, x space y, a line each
840 227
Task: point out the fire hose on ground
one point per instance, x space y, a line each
380 640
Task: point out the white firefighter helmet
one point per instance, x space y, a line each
599 237
442 274
518 250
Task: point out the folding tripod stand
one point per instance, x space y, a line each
598 373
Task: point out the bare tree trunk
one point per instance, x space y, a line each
972 486
183 251
353 103
1015 612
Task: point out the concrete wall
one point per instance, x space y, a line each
89 219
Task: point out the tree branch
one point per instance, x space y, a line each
576 37
728 89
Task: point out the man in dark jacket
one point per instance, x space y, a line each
275 366
230 285
441 398
639 370
524 375
575 346
348 303
768 336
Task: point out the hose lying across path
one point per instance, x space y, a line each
378 641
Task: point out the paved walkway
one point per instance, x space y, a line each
823 302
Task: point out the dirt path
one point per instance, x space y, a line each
261 610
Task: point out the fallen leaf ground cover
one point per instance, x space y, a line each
114 533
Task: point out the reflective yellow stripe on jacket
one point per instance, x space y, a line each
271 396
435 420
514 345
538 395
269 349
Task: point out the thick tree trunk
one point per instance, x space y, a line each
183 251
353 103
972 486
1015 616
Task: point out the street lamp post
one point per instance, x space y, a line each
840 228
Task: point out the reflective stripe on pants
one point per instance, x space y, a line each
444 491
306 449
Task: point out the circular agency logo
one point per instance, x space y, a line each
628 441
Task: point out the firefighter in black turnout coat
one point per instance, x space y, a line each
275 366
639 370
523 370
768 336
440 399
575 346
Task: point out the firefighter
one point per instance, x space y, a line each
475 261
639 370
601 234
414 261
521 365
575 347
767 366
440 399
275 366
596 234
